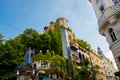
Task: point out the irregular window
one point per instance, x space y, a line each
44 64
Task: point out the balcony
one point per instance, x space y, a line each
110 11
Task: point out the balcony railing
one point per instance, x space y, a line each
108 13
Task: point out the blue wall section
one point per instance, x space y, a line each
28 60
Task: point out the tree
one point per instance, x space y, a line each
1 39
11 57
29 38
54 42
59 63
45 42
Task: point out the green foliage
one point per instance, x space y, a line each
85 72
10 58
55 42
12 51
28 38
1 38
41 56
84 62
51 22
59 63
83 44
58 60
69 29
45 42
59 39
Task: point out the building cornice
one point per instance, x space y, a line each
109 12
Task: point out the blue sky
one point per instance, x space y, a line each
17 15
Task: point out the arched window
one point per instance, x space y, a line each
80 57
83 57
112 35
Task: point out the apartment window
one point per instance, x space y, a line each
80 57
102 8
112 35
116 1
31 54
118 59
83 57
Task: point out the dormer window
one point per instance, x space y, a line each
112 35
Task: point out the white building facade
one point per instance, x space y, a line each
108 66
108 15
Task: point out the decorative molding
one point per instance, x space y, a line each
112 20
115 10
